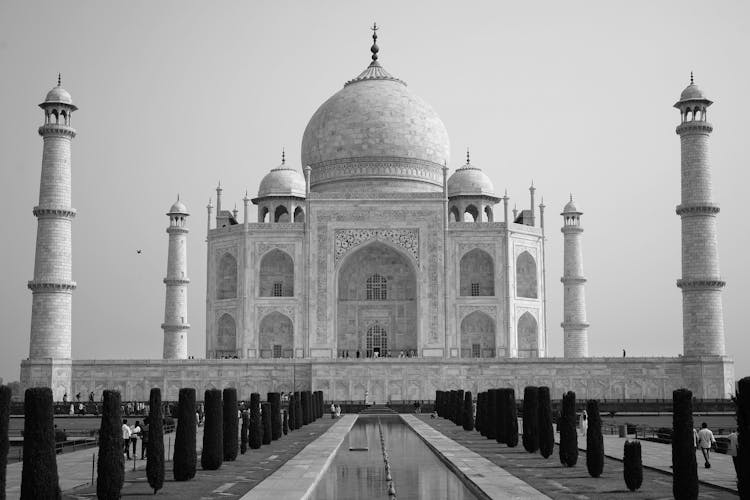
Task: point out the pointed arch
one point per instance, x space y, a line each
526 276
471 214
528 336
281 214
477 274
488 214
299 215
276 276
477 336
454 215
226 278
226 336
276 336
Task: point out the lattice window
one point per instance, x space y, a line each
377 338
476 351
475 289
277 350
278 289
376 288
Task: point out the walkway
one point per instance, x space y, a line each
494 481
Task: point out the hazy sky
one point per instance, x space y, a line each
175 96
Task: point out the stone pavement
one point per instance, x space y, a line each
232 479
296 478
567 483
495 482
659 456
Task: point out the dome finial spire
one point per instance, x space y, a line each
468 158
691 78
59 80
283 156
374 49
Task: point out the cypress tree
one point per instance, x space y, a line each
185 454
39 475
632 465
266 416
213 441
595 442
305 407
256 426
155 446
511 421
502 415
231 424
546 429
5 394
684 464
491 414
568 433
244 431
531 419
285 423
468 417
110 466
742 401
274 398
439 403
292 420
458 409
478 418
297 410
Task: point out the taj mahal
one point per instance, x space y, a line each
373 269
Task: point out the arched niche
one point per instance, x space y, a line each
276 276
276 336
226 337
226 277
528 336
526 277
477 336
477 270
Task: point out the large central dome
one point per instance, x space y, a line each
375 135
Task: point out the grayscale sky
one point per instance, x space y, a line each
175 96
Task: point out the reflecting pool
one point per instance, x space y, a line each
357 470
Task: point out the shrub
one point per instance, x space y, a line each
244 431
266 415
546 429
458 407
568 433
39 475
5 394
468 417
274 398
478 423
185 455
594 440
305 407
155 446
500 426
632 465
292 420
297 410
230 424
742 401
531 419
684 464
491 414
110 466
511 421
285 423
256 426
213 441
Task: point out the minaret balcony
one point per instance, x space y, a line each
694 127
701 283
698 208
54 212
51 286
57 129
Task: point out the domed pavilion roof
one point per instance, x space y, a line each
58 95
570 207
374 134
282 181
470 181
693 93
178 208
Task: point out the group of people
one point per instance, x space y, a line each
335 410
403 353
704 440
131 436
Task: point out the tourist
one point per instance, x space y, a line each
126 438
91 397
338 411
333 410
135 433
706 441
65 398
732 448
695 438
433 414
144 438
584 422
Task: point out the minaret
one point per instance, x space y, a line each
175 324
701 283
575 325
52 286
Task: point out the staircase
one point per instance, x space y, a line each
378 410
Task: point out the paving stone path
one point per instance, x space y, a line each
232 480
551 478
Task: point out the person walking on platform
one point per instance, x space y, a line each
126 438
732 450
706 441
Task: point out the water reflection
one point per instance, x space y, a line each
417 472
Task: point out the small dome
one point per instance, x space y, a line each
692 92
282 181
570 207
178 208
470 181
58 95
